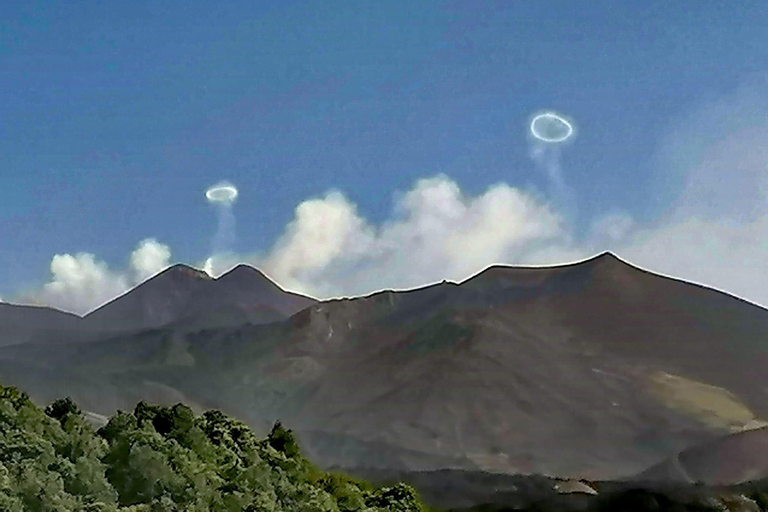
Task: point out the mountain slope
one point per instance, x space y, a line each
504 364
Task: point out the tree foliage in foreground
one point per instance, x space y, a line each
166 459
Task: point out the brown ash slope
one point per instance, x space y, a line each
595 370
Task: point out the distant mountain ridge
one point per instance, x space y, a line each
178 295
182 293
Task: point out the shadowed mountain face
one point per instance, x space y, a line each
594 370
190 297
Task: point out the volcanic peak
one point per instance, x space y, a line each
533 275
181 271
243 271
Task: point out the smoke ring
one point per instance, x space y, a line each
552 120
224 193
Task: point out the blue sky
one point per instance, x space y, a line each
115 118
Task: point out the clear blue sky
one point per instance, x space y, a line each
115 116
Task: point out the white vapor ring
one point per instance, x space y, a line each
550 115
221 194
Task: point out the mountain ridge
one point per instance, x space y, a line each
180 292
591 370
605 256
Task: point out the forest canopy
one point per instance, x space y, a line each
164 459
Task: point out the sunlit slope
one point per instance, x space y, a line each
713 405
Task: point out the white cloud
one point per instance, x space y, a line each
81 282
436 233
324 231
714 232
149 258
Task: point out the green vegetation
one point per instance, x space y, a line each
166 459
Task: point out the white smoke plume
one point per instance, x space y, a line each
436 233
81 283
222 197
224 239
549 133
149 258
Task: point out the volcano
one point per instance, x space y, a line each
595 370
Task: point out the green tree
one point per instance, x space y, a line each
283 440
61 409
398 498
165 459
